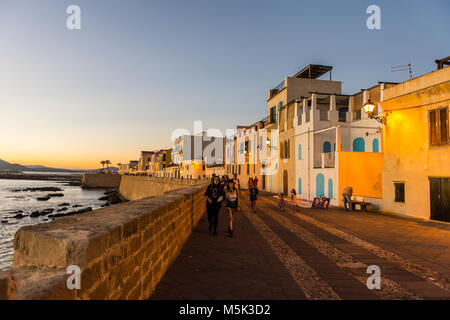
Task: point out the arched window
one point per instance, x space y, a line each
358 145
375 145
326 147
299 152
330 188
299 186
320 185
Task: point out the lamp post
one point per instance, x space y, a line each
369 108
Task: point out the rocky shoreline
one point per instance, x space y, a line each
110 196
72 179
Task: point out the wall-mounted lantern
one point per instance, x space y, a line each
369 108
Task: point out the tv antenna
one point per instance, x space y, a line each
405 67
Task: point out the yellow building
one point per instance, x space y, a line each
416 175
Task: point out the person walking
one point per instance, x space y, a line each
255 181
214 196
253 195
232 197
237 184
281 203
347 198
294 199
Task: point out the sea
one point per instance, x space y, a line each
13 202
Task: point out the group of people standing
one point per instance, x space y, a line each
221 189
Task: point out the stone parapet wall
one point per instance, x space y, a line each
122 251
8 286
138 187
101 180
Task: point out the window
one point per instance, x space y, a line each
438 127
299 152
260 142
248 169
399 191
239 168
273 114
284 149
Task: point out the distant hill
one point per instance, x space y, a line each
112 169
6 166
49 169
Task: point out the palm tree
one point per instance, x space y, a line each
103 162
107 162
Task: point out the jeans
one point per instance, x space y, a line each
213 216
347 202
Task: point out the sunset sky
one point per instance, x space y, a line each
137 70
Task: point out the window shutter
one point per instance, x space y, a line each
443 119
432 119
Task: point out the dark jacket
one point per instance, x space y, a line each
253 193
214 192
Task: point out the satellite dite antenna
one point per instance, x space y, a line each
405 67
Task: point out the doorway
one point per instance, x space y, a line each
285 182
440 199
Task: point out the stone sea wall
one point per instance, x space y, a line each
101 180
138 187
122 251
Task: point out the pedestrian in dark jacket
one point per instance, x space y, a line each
253 195
214 195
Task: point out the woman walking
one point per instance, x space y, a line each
281 202
231 204
253 195
294 199
214 196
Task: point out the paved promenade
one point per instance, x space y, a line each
310 254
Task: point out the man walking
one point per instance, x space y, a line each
347 198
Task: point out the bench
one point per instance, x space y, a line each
359 201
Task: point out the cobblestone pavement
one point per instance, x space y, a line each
310 254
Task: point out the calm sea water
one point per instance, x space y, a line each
26 201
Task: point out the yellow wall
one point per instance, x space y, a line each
408 156
362 171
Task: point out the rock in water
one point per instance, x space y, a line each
65 204
43 198
51 195
19 216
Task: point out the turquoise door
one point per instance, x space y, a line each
326 147
330 188
375 145
358 145
320 185
299 191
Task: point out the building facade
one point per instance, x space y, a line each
416 174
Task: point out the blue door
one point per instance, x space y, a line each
375 145
330 188
326 147
358 145
299 186
320 185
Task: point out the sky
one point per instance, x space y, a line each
139 69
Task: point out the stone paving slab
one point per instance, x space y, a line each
257 264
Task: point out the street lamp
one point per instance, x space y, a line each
369 107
